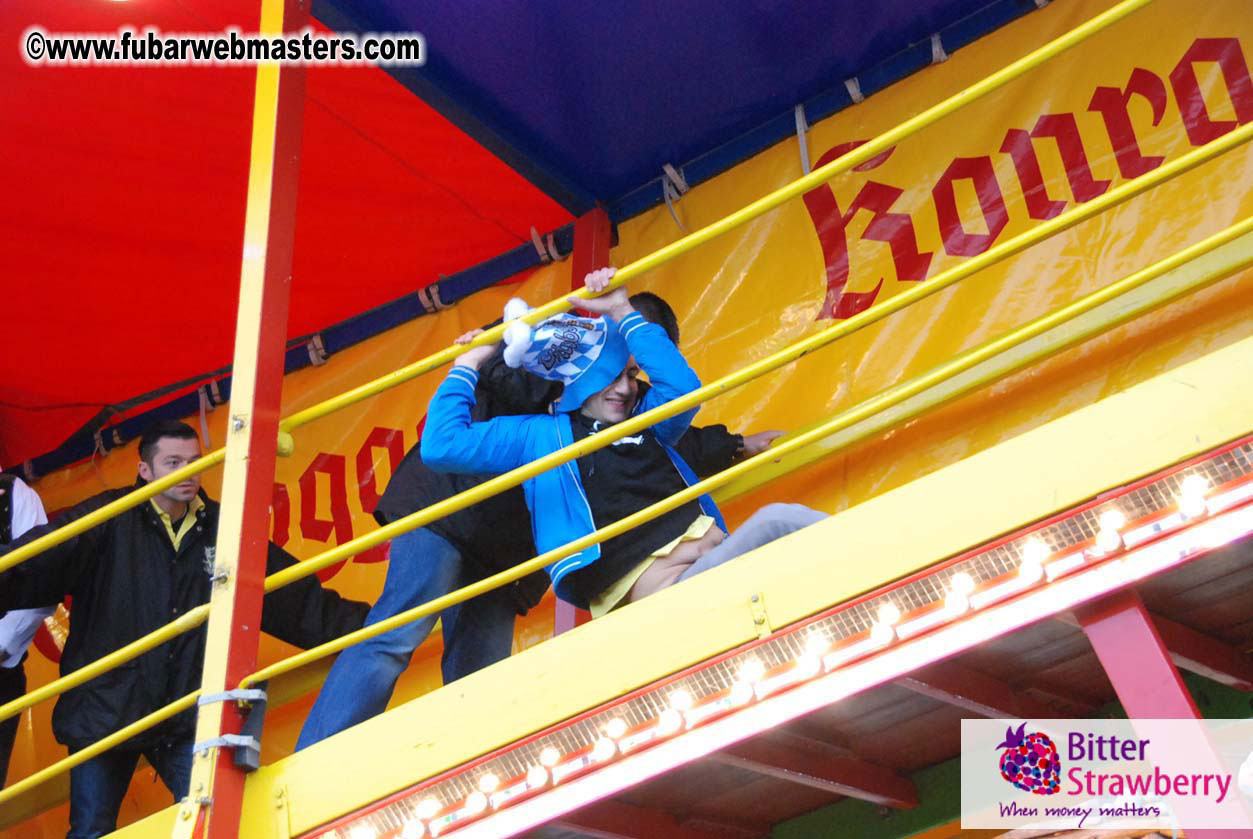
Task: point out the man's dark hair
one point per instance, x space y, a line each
656 310
159 430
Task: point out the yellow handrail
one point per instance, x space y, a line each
185 622
763 366
881 401
658 257
100 746
132 499
745 214
759 368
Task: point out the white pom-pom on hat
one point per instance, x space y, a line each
517 334
516 308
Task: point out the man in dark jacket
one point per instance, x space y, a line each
467 546
125 578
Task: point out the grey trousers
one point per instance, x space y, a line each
764 526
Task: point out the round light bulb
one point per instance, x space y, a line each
413 829
681 700
962 583
536 776
741 693
817 644
489 782
882 634
1108 540
1035 551
362 831
1192 496
616 728
1194 484
1112 520
476 802
669 721
808 665
428 807
956 603
752 671
603 750
549 756
889 614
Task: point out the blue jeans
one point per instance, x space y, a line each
773 521
98 786
477 633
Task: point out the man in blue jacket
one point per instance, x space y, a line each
597 359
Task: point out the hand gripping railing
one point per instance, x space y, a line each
885 400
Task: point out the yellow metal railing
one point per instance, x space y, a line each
845 419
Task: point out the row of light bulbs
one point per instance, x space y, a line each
754 681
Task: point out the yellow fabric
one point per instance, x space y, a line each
189 520
612 596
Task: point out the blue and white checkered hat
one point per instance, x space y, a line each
584 354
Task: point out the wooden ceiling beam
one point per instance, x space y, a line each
1199 653
611 819
973 691
1205 655
798 760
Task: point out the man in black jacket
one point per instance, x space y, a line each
125 578
470 545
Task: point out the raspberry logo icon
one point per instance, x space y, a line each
1030 762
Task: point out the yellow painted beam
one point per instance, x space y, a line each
1070 460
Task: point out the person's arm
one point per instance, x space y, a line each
45 579
304 613
505 391
669 374
28 508
709 449
452 442
712 448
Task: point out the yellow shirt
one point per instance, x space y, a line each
612 596
189 520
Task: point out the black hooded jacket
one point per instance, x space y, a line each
495 534
124 580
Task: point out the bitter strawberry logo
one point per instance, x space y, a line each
1029 761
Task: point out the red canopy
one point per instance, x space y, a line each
121 240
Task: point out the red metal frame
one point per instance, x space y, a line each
1125 638
221 820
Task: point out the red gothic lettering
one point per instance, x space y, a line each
1196 119
280 509
1017 144
957 242
367 485
340 523
831 224
1112 104
1065 130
